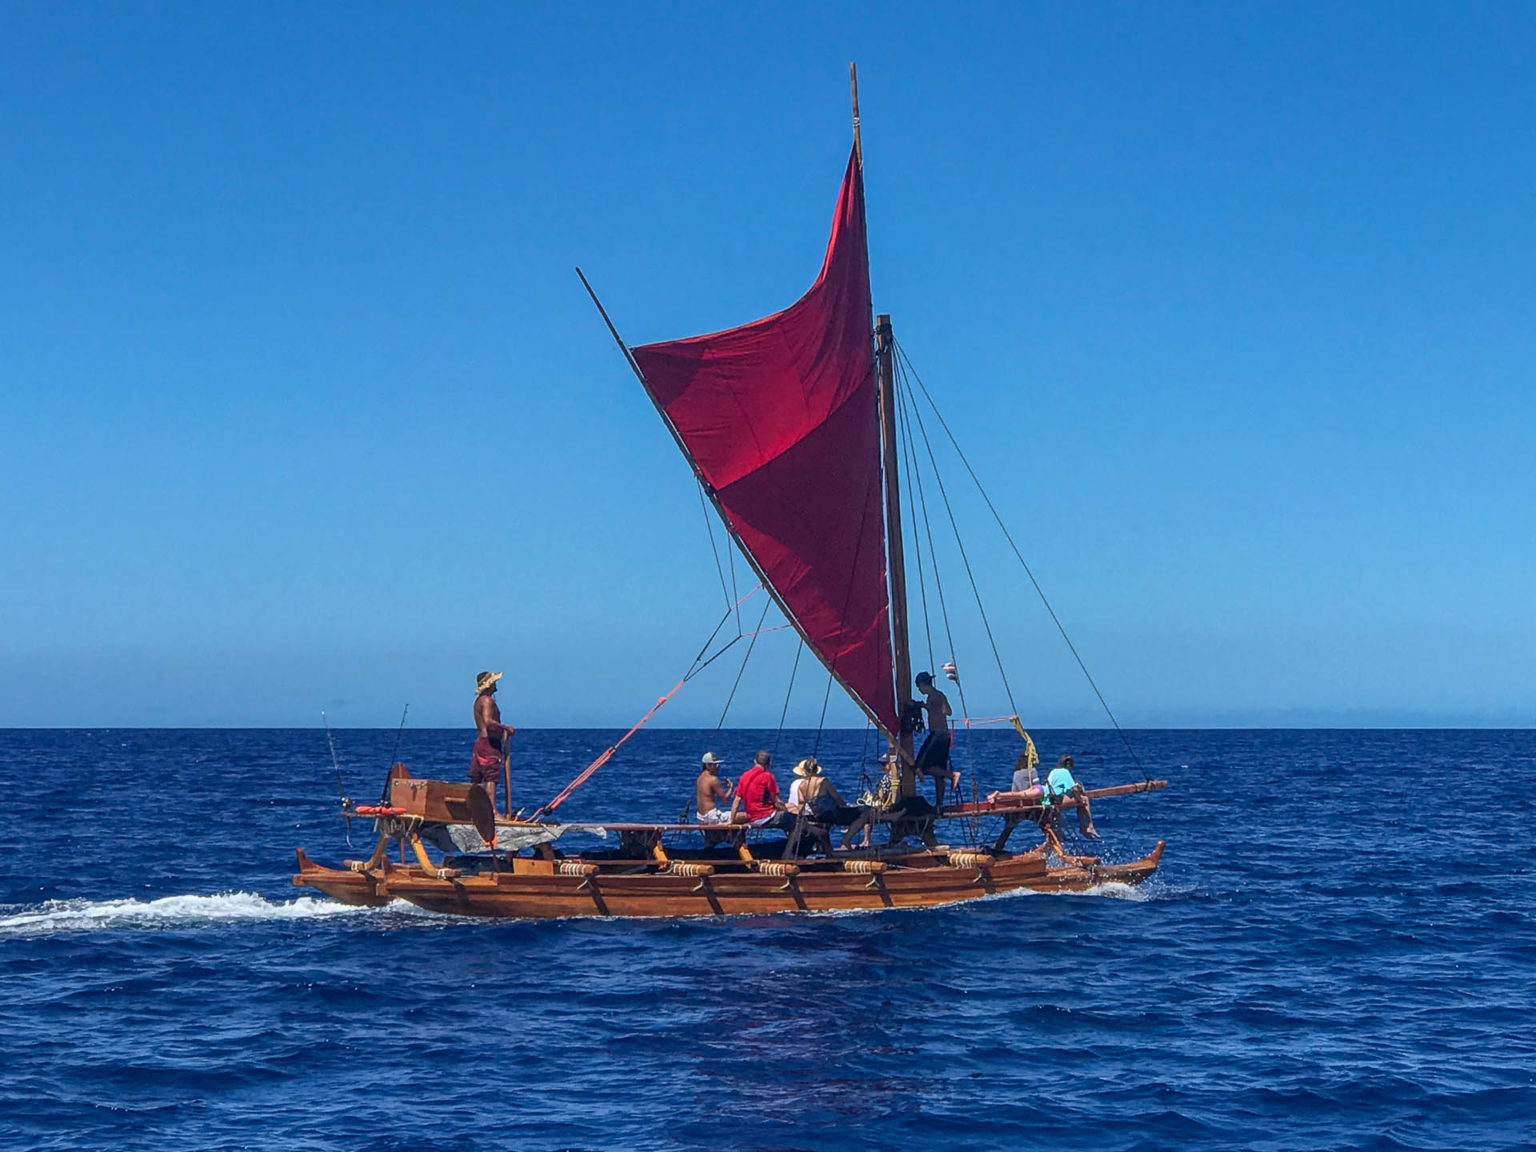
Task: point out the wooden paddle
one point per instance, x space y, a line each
482 813
506 770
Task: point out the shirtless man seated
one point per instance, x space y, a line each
712 792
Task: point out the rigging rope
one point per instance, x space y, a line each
905 359
586 773
751 644
822 723
915 472
960 544
698 665
730 556
909 459
710 528
799 648
933 555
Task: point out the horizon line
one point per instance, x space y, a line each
1489 727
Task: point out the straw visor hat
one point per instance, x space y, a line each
808 767
485 680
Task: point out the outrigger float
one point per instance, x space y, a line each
790 425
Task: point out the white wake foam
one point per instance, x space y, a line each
1116 890
53 916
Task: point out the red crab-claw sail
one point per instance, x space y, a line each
779 419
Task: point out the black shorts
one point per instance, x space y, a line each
933 756
838 816
910 808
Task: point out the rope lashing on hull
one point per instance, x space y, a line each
864 867
777 868
966 859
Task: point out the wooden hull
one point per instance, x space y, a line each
923 880
344 884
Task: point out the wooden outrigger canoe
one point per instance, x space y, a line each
646 877
789 425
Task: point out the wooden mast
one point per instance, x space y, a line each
853 83
896 563
900 650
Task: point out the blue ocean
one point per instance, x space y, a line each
1339 952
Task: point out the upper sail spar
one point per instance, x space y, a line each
779 417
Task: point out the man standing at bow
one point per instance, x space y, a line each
491 736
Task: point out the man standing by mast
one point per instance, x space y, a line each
933 756
491 735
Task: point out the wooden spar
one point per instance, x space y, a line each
900 651
1126 789
1008 804
708 489
853 83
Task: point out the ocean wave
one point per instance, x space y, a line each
54 916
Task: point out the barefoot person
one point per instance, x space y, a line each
933 756
712 792
491 735
1026 789
1061 785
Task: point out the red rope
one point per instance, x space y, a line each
586 773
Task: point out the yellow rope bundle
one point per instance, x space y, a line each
963 859
864 867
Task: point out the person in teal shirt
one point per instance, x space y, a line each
1061 785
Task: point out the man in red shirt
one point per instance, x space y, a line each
757 797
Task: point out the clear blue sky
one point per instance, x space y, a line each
302 407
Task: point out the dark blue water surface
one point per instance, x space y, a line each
1339 953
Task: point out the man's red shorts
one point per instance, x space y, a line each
485 764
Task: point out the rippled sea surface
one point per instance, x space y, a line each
1338 953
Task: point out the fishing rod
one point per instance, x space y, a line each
346 802
394 755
